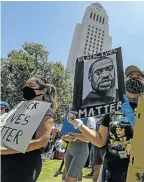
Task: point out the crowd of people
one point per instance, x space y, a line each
110 136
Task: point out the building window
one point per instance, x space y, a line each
93 43
100 45
85 44
99 37
100 49
92 50
97 44
88 33
97 40
102 38
89 49
88 29
93 47
85 48
91 38
101 42
100 19
99 29
102 34
88 53
103 31
99 33
92 31
90 42
96 52
97 48
103 20
97 18
96 28
89 25
87 36
91 34
95 32
93 27
86 40
94 16
91 15
89 45
94 39
84 52
95 35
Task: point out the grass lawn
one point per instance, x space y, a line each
49 169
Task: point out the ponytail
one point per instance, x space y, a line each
51 94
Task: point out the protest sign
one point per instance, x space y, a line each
99 83
68 128
19 125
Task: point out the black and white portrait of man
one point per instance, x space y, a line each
99 83
102 82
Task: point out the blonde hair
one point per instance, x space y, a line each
53 96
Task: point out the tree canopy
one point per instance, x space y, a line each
27 62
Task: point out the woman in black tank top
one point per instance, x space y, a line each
18 167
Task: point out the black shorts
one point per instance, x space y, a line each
98 155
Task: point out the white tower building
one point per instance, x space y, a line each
90 37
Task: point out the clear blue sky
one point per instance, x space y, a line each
53 24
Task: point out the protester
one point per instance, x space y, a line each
87 164
59 148
96 157
116 129
77 153
4 108
18 167
59 171
98 154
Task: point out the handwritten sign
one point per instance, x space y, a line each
19 125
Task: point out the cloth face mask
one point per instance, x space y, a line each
134 86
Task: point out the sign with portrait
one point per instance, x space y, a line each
99 83
19 125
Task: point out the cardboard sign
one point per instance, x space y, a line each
136 166
19 125
99 83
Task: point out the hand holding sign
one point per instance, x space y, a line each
127 111
72 115
20 124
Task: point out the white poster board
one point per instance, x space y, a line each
19 125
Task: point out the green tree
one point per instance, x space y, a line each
32 60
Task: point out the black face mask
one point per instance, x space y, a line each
134 86
29 93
